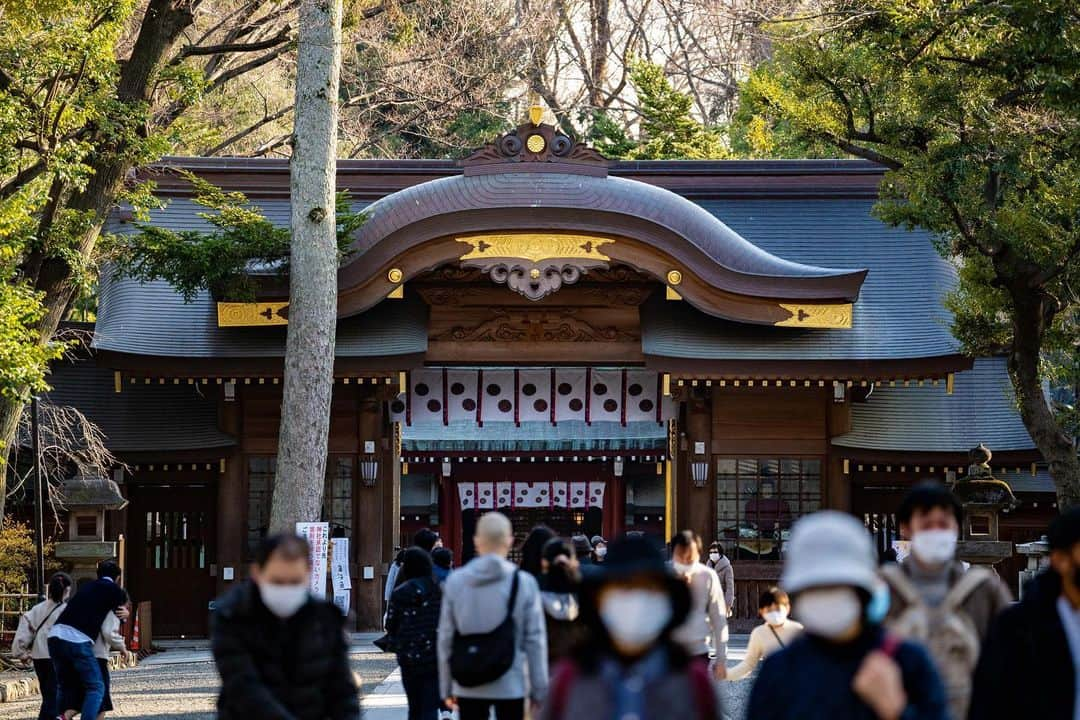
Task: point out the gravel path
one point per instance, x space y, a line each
184 691
188 690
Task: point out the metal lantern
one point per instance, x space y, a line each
699 472
369 470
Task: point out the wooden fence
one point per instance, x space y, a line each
751 579
12 606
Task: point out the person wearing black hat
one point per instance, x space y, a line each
629 666
583 549
1030 664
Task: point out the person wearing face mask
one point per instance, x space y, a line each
629 666
30 640
706 624
844 666
559 588
776 633
933 599
280 651
719 562
599 545
1030 664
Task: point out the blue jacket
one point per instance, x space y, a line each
811 680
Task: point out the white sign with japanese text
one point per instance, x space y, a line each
318 536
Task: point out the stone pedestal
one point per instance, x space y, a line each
1038 559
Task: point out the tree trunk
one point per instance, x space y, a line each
1054 443
162 25
309 349
601 39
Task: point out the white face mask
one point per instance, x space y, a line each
934 547
635 618
283 600
776 617
715 557
601 552
829 612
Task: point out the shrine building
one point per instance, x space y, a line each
598 346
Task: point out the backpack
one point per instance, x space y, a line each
946 631
481 658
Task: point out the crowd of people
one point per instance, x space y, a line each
583 628
69 637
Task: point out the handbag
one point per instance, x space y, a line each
481 658
385 643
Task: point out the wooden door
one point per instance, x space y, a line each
170 555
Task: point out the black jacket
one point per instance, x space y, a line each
412 620
294 669
1026 669
811 680
87 610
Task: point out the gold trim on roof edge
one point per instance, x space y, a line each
535 247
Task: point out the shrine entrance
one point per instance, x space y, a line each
562 447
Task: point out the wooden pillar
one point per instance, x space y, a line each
698 507
370 518
837 484
231 498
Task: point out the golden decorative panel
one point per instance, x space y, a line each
674 277
836 315
395 275
535 143
252 314
535 247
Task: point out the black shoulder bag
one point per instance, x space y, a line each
481 658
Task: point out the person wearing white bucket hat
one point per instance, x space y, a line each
845 667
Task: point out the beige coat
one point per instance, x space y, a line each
41 618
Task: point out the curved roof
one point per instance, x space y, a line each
152 318
141 418
982 409
522 201
899 313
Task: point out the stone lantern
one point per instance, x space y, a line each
86 498
983 498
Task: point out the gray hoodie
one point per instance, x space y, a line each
474 601
727 579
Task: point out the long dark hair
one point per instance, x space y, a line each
58 585
533 548
416 563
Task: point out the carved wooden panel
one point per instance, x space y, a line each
533 334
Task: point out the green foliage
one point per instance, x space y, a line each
608 137
23 360
753 135
668 127
17 555
58 69
974 107
222 259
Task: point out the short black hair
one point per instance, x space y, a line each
108 569
425 539
442 557
773 595
287 545
557 546
927 495
685 539
1064 530
58 585
416 564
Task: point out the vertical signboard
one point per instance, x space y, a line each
318 536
